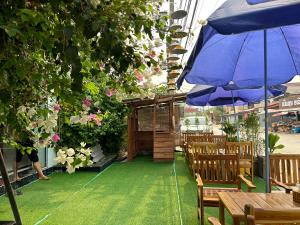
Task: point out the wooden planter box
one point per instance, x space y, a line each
259 166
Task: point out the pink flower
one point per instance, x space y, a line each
98 122
151 53
87 102
57 107
136 72
55 138
34 125
140 78
157 69
109 93
92 117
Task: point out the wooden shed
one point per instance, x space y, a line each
152 126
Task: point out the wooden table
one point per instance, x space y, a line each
235 202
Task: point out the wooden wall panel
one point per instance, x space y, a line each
144 142
163 147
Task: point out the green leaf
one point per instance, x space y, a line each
279 146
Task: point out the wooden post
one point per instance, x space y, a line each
131 135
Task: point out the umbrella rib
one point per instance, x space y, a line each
212 44
242 47
289 49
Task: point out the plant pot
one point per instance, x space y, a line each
259 166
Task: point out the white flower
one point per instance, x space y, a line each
40 122
49 125
70 152
70 169
90 162
82 157
74 119
82 144
70 160
79 165
82 150
53 116
84 120
88 151
61 159
31 112
22 109
61 153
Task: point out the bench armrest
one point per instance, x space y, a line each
199 180
249 184
213 221
287 188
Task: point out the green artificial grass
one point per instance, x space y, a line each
140 192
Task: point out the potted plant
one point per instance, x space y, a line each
273 140
259 163
230 130
187 123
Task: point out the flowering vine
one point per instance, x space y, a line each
74 158
40 126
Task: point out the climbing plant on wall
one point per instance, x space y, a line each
53 48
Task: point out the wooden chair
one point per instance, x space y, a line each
217 169
271 216
193 138
255 216
245 152
284 171
201 148
220 140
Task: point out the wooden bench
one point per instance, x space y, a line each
255 216
193 138
217 169
196 149
245 151
284 170
271 216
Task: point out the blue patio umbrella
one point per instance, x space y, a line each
202 95
262 50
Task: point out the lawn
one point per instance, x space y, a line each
140 192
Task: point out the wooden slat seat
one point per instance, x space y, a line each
211 194
244 163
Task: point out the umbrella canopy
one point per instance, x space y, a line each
240 58
236 16
202 95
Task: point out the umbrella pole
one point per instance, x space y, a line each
267 165
236 120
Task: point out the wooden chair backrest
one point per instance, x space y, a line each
198 138
221 169
204 148
243 149
285 168
220 140
271 216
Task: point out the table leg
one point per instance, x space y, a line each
221 213
236 221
